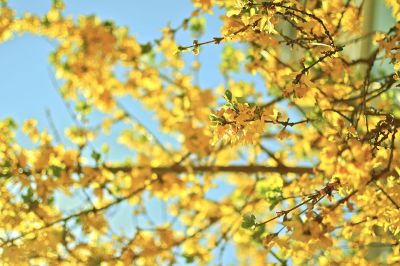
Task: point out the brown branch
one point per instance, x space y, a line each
341 17
218 40
388 196
313 198
52 125
271 155
355 223
248 169
75 215
374 177
160 171
319 60
279 122
328 34
176 168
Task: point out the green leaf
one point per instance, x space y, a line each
56 2
96 156
146 48
213 117
83 108
45 22
109 24
50 200
249 221
217 119
181 49
273 197
27 197
11 123
55 170
188 258
197 26
228 95
258 233
274 202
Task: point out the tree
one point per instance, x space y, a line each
311 174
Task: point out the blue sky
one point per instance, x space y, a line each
27 81
27 77
28 86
